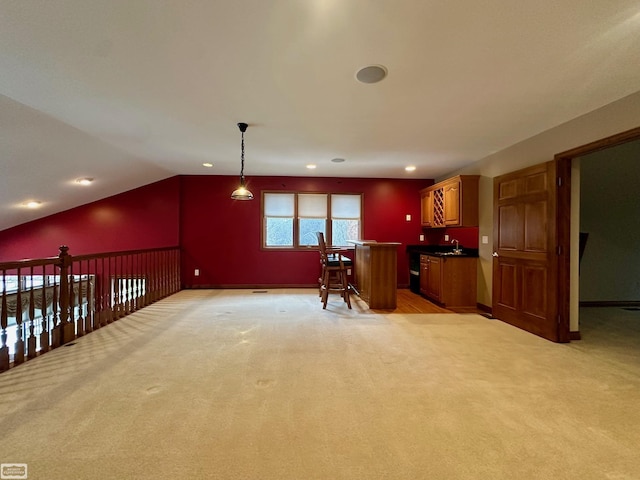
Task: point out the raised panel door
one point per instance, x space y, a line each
434 285
427 208
452 204
424 274
525 264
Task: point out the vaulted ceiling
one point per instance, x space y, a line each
132 91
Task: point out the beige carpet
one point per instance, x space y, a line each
241 385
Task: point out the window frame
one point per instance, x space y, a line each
296 219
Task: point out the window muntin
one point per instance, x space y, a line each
291 219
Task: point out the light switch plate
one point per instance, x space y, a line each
408 217
485 239
422 238
196 272
446 238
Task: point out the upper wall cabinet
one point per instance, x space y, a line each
451 203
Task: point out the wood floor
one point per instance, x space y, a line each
409 302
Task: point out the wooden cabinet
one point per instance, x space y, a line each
434 282
451 203
377 272
426 199
449 280
424 274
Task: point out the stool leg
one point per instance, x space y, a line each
345 288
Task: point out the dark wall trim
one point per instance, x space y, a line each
622 303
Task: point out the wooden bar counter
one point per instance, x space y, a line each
376 275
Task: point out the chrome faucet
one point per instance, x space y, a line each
457 249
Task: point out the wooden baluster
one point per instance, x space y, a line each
132 281
108 288
67 329
44 334
115 290
18 355
31 341
4 349
127 282
96 295
160 276
144 279
136 281
55 330
100 293
150 277
75 322
176 286
120 289
157 284
165 275
88 295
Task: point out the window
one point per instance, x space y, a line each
291 220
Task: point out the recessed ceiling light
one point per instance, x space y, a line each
410 168
207 164
311 166
84 181
337 160
371 74
33 204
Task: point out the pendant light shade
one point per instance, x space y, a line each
241 193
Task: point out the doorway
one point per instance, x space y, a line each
569 225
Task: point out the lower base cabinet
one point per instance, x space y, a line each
450 281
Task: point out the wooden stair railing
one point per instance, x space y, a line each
67 296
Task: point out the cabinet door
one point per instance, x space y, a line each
424 274
434 282
427 208
452 204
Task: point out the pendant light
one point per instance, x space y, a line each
241 193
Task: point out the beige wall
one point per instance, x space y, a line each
610 209
609 120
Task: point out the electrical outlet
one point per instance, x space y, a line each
422 238
446 238
408 217
196 272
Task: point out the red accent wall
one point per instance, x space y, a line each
219 236
467 236
146 217
222 237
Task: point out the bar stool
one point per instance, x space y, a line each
333 275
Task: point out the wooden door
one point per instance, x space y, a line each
427 208
424 274
452 203
434 283
525 264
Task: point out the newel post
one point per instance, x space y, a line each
65 329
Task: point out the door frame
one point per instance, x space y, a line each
563 220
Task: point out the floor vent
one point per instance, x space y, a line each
69 344
259 291
489 316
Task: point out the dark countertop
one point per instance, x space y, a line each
441 250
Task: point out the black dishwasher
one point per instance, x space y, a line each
414 272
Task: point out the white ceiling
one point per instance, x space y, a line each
133 91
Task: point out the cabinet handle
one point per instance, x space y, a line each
495 254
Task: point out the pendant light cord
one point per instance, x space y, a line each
242 161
